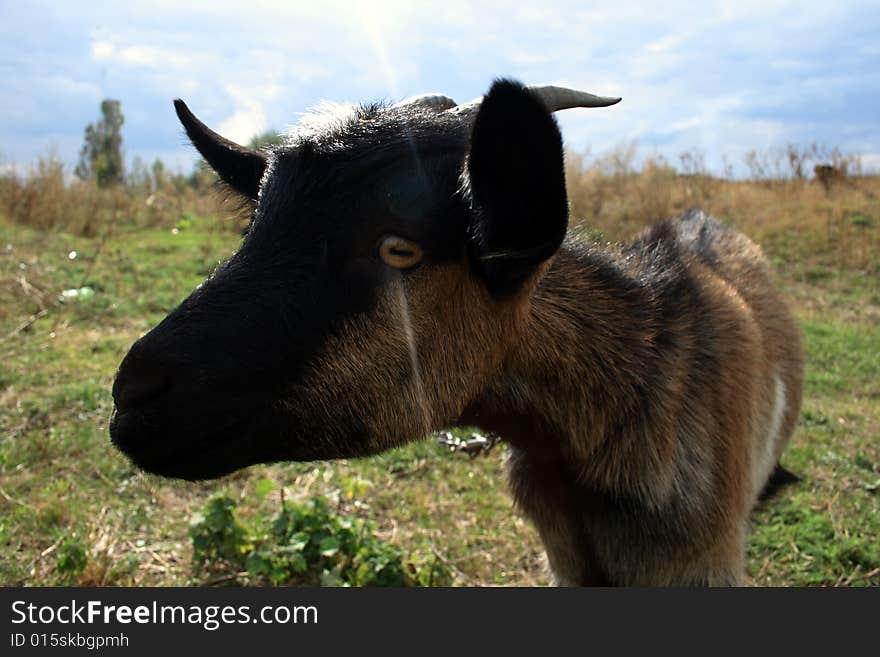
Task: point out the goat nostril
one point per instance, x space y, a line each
135 388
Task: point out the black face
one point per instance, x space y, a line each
205 392
216 385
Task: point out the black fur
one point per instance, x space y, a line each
517 184
777 481
202 394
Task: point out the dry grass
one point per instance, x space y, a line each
46 198
789 216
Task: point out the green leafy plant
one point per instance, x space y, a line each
72 557
308 544
217 535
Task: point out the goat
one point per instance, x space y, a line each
408 269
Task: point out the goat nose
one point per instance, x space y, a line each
141 379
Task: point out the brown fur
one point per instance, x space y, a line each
638 426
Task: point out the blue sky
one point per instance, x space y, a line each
723 77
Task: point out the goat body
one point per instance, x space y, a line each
651 398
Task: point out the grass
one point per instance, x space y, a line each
72 510
825 530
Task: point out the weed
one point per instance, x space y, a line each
72 557
307 544
217 534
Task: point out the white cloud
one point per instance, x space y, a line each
665 43
249 118
102 49
244 124
66 87
870 162
146 56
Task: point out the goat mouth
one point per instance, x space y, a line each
207 452
194 449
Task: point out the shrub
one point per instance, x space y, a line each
72 557
307 545
217 535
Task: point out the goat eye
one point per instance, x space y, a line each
399 253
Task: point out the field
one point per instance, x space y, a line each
72 510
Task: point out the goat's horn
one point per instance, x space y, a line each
560 98
554 99
436 102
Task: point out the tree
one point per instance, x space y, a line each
265 140
159 175
138 176
101 156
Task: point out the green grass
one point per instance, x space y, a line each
72 510
826 529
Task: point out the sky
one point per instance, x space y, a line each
721 77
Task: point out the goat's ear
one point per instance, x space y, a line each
516 178
239 167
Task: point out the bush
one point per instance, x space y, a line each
217 535
72 557
307 545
